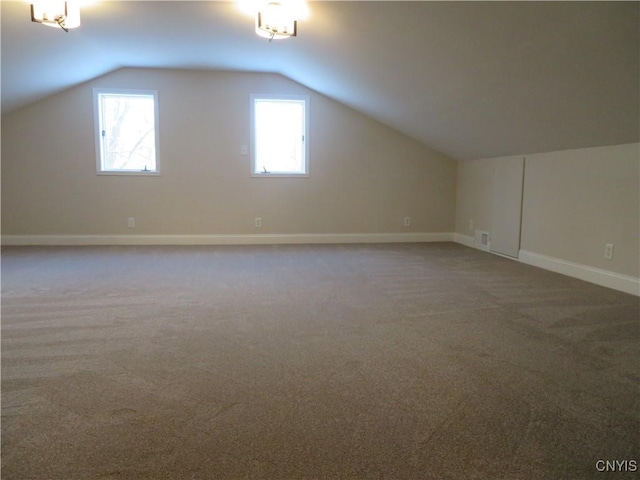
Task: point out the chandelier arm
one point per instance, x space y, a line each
60 22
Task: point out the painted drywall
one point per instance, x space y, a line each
364 177
474 196
574 202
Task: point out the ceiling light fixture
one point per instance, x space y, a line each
56 13
275 19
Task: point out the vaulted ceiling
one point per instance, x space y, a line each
469 79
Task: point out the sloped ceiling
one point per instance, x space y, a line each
469 79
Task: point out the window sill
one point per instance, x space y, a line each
280 175
139 174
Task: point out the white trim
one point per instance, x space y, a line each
305 101
97 120
466 240
142 173
605 278
270 239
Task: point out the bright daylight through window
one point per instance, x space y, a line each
279 135
127 131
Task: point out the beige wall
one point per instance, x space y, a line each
474 196
574 202
364 177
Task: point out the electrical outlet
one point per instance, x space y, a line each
131 222
407 221
608 251
244 150
470 224
257 222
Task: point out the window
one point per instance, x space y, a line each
127 131
279 136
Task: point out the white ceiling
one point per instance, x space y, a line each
470 79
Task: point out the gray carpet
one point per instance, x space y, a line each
416 361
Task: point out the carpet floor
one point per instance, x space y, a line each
395 361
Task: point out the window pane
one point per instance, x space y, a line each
279 136
128 132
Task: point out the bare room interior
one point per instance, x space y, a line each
324 239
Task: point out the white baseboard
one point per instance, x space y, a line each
598 276
466 240
469 241
605 278
268 239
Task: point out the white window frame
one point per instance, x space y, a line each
98 129
305 150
